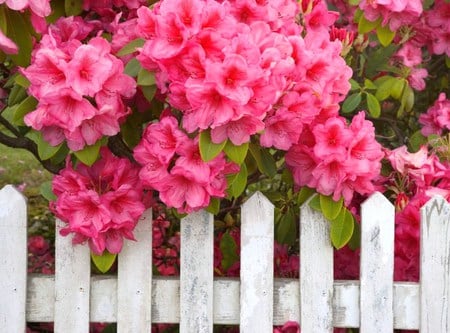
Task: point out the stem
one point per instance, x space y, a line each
25 143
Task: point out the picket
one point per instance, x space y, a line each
72 284
72 297
435 267
13 259
196 273
257 234
377 241
316 272
134 287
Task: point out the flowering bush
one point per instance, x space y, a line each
195 104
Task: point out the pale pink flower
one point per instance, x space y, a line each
437 117
7 45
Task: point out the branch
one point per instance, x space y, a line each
25 143
119 148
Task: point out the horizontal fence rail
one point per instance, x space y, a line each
256 301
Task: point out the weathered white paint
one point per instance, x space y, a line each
406 305
196 273
135 280
316 272
257 234
13 259
72 284
377 264
71 302
166 291
435 266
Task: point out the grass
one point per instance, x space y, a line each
18 167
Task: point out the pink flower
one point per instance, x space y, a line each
100 204
90 67
332 139
437 117
7 45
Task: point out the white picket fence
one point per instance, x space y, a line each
134 299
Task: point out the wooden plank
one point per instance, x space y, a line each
166 291
345 301
13 259
316 272
435 266
72 284
196 273
377 264
257 239
134 287
406 305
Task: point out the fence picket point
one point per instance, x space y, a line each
196 273
13 259
377 264
72 284
257 235
435 266
135 280
316 272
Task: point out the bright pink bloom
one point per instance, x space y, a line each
100 204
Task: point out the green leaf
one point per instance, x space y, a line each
286 229
351 102
416 141
73 7
146 78
365 26
314 203
89 154
17 95
149 92
397 88
385 88
304 194
3 22
130 47
22 81
355 241
214 206
45 150
407 100
385 35
133 67
26 106
447 62
236 153
104 262
237 182
342 229
369 84
354 2
373 105
47 192
208 149
264 160
228 247
19 31
330 208
379 59
354 85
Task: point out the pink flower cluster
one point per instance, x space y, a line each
80 87
395 13
166 247
40 258
240 68
416 178
171 164
437 118
100 204
337 159
39 7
